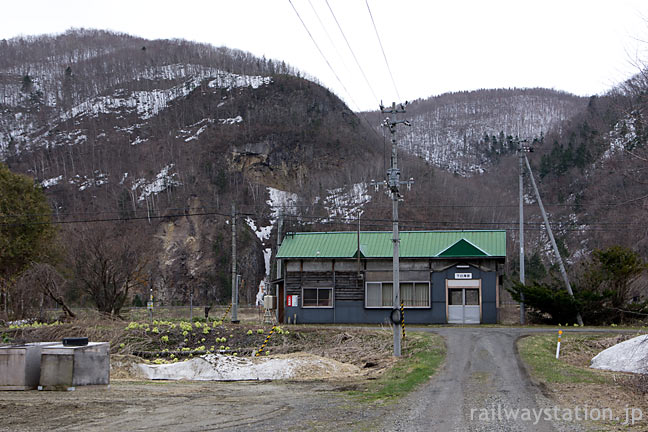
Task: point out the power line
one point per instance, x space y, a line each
333 70
299 206
328 36
322 54
117 219
383 50
353 54
326 220
431 224
457 222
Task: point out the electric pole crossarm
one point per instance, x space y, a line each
563 272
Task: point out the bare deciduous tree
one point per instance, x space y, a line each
108 265
44 278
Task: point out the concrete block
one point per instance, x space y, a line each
20 366
67 367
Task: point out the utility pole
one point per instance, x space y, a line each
279 272
393 182
234 278
563 272
521 156
279 229
191 305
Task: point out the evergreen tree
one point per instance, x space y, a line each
27 84
26 232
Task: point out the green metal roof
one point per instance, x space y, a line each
414 244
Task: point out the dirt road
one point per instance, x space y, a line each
482 380
181 406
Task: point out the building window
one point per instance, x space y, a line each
317 297
378 294
413 294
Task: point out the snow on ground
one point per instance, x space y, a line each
148 103
198 132
628 356
177 71
189 136
230 121
229 80
163 180
138 140
263 233
346 204
267 255
145 103
51 182
623 135
281 201
260 293
217 367
84 182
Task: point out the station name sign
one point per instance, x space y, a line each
463 275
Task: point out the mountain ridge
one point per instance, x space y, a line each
178 135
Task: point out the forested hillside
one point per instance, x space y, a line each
158 139
466 132
144 146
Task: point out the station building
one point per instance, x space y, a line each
346 277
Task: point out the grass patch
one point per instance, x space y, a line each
421 357
539 353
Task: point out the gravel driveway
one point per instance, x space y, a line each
481 382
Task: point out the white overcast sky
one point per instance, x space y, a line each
580 46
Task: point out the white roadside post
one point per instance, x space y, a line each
558 346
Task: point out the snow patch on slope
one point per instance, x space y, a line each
624 135
230 121
163 180
149 103
281 201
229 81
47 183
346 204
278 201
84 182
263 233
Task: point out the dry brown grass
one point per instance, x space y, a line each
365 348
97 328
579 351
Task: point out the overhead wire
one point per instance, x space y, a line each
383 50
295 206
333 70
328 35
342 221
322 54
353 53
